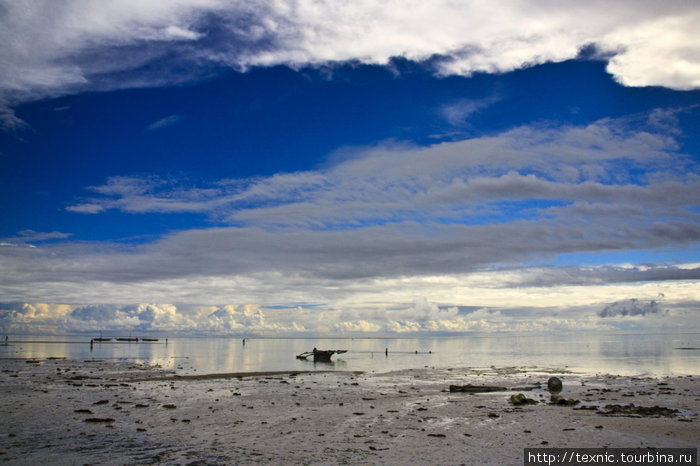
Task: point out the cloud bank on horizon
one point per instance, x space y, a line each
558 220
420 317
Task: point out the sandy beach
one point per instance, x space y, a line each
115 412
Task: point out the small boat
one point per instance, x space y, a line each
320 355
101 339
128 339
149 339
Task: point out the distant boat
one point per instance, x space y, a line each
101 339
320 355
128 339
149 339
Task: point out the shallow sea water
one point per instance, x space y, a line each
657 354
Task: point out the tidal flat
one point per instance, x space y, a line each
64 411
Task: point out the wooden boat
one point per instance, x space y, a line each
149 339
320 355
128 339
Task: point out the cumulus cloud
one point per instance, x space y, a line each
440 307
53 48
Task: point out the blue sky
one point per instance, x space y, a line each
326 168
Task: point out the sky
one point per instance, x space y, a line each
398 168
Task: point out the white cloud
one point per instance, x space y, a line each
53 48
662 51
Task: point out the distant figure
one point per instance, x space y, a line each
92 340
166 341
416 351
5 340
244 342
386 352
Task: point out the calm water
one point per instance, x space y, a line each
625 354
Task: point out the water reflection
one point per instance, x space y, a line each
629 354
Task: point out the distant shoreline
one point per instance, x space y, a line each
239 375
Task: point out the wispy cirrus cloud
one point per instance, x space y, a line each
30 236
560 175
453 222
57 48
458 113
168 121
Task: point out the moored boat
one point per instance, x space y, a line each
320 355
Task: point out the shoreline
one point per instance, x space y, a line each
239 375
120 412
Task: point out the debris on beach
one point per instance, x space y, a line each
561 401
632 410
476 388
520 400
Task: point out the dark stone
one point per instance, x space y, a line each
554 385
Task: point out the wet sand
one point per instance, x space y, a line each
106 412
